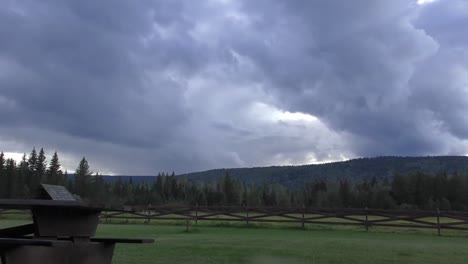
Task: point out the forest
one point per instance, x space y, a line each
415 190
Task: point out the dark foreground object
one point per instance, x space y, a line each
62 232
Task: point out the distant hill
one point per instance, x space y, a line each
352 170
126 178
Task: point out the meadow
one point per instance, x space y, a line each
236 243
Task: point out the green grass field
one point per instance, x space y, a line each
273 244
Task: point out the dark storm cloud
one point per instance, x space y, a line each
112 73
441 84
76 70
187 85
349 63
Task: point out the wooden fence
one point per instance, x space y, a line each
437 220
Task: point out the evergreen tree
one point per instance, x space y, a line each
400 190
3 180
10 182
158 190
32 175
54 173
82 178
231 191
23 190
98 192
345 193
32 160
2 161
69 183
167 188
41 166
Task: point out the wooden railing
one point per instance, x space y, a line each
437 220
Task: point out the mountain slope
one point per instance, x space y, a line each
352 170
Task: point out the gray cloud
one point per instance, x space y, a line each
147 86
350 65
441 83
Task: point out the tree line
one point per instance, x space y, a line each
410 191
22 179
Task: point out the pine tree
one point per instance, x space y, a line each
69 183
96 189
10 182
2 161
167 187
41 166
3 179
345 193
157 192
54 173
32 175
32 160
23 171
82 178
230 190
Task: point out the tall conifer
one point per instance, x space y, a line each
82 178
54 173
2 175
31 179
41 166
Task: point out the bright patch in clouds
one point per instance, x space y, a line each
271 113
296 116
14 155
422 2
311 158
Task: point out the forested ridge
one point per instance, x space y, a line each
386 182
354 170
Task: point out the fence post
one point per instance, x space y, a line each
303 217
196 214
438 221
247 215
187 227
149 215
367 220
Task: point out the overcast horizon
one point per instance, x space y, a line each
141 87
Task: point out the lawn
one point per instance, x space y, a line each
235 244
280 245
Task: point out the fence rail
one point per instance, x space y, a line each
437 220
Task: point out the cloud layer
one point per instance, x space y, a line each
145 86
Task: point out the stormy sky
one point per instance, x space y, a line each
140 87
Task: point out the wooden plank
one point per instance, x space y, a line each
30 203
17 231
454 227
122 240
9 242
401 218
57 192
451 216
454 223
